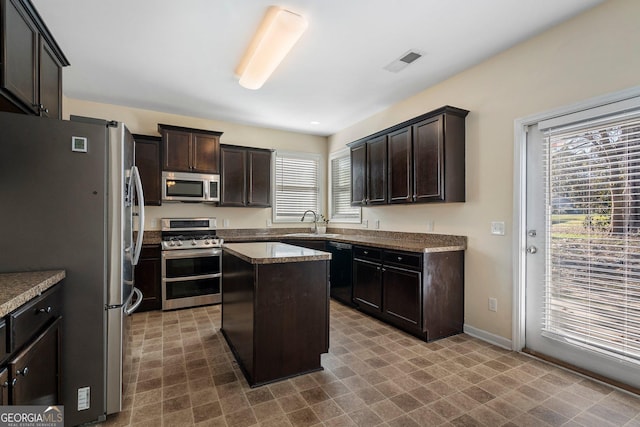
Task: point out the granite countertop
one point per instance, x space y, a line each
18 288
274 253
411 242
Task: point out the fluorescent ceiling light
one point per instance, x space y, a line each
276 35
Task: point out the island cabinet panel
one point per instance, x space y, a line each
275 317
423 294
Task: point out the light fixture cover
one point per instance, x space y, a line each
278 32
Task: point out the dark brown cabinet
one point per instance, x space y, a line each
31 371
367 278
190 150
400 166
148 278
422 294
34 372
31 62
420 160
319 245
245 176
148 158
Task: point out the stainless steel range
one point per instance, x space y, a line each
191 262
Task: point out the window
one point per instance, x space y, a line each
593 215
340 187
297 185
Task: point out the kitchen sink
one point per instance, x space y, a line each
311 235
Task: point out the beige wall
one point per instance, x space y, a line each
591 55
146 122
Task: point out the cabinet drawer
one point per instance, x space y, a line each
25 322
367 253
412 261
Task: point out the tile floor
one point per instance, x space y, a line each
374 375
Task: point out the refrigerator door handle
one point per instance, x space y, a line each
129 311
135 176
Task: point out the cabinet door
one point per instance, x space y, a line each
4 387
148 162
402 297
259 178
36 370
20 66
359 175
367 285
206 153
400 173
177 151
428 160
233 177
50 83
148 278
377 170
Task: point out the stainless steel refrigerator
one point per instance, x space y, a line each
69 193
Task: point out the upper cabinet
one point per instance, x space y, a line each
31 62
245 176
190 150
148 155
420 160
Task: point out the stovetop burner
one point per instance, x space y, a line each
189 233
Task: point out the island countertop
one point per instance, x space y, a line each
18 288
274 252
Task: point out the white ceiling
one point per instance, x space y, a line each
179 56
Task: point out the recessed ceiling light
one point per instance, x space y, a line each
314 123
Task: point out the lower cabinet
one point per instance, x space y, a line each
148 278
30 372
422 294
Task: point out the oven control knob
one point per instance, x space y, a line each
193 242
172 243
179 243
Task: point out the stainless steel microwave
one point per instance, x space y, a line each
190 187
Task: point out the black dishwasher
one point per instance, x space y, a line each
340 274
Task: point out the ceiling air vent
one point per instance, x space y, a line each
402 62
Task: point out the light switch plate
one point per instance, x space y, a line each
497 228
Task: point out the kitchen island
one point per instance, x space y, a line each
275 309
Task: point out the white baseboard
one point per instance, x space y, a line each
488 337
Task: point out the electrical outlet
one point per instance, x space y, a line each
377 224
493 304
269 223
365 223
497 228
225 222
429 225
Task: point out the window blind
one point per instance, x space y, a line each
341 209
592 181
297 186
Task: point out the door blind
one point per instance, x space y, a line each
297 182
592 181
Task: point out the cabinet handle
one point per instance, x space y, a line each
366 252
399 258
45 310
23 372
7 385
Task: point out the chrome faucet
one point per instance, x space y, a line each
315 219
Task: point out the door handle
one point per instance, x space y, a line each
532 249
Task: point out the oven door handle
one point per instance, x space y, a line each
191 253
187 278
